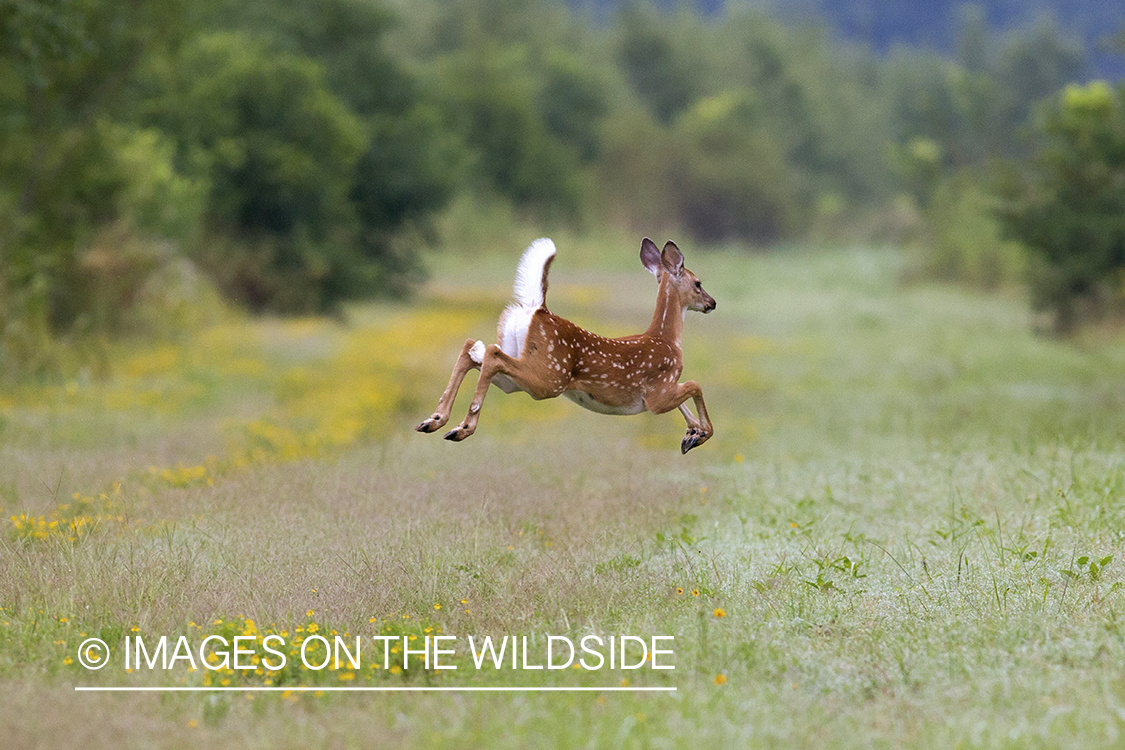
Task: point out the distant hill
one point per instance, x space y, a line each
933 24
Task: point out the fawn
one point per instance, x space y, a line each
547 356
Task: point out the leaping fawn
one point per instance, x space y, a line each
548 356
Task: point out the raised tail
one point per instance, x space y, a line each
530 290
530 294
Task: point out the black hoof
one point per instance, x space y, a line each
458 433
692 439
429 425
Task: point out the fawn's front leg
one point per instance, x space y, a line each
440 416
672 397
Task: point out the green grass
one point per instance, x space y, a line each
911 518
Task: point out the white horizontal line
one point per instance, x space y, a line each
363 688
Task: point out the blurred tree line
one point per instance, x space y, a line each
294 153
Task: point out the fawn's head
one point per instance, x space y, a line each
669 263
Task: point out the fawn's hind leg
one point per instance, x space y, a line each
465 362
528 373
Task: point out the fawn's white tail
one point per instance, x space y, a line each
529 294
530 289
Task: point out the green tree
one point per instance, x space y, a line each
1067 206
278 150
1031 66
820 103
574 100
345 36
656 60
67 75
524 95
496 97
412 161
728 175
974 108
67 66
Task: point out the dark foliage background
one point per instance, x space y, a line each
299 152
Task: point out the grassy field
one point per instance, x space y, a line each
907 530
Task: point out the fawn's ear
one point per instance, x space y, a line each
650 257
672 258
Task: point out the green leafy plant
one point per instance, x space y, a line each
1087 568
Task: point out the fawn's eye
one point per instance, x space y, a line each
698 284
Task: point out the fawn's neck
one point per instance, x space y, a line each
668 320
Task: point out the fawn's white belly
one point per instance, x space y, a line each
504 383
586 401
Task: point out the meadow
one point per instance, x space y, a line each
906 532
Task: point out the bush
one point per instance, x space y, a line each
120 282
1068 204
497 97
278 151
964 240
728 175
127 212
412 159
